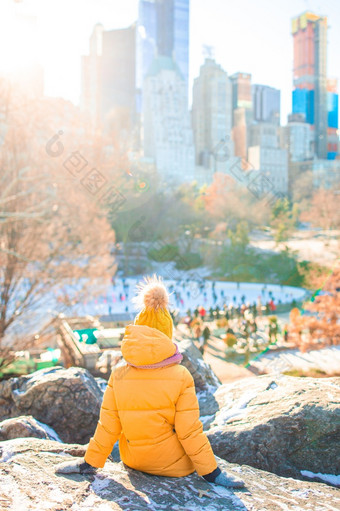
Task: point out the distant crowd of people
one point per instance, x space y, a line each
236 322
184 292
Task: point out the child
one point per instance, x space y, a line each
150 405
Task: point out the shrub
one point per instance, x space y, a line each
166 253
230 340
188 261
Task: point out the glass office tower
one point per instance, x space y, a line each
162 30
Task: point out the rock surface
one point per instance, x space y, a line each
29 482
21 427
67 400
206 382
281 425
204 377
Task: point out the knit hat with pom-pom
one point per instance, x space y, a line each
153 299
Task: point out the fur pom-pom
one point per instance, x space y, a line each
152 294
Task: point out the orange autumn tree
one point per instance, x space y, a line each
323 210
320 327
229 202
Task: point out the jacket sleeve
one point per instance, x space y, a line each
108 429
189 429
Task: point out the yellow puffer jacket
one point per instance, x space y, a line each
153 412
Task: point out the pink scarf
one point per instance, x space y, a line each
176 358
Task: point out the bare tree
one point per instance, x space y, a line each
55 241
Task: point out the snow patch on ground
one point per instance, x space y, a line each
91 503
99 484
327 360
224 492
329 478
49 431
11 489
55 495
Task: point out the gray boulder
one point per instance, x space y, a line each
25 426
204 377
67 400
282 425
28 481
206 381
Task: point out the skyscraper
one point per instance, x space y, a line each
91 76
296 137
311 94
266 104
162 30
266 156
168 138
242 111
211 111
108 73
333 118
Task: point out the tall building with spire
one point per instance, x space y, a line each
162 30
314 95
162 73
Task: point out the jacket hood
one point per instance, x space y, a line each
143 345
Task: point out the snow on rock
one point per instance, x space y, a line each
53 435
66 400
235 410
328 478
26 426
29 482
282 425
5 454
206 381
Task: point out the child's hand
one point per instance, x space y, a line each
223 479
228 481
75 467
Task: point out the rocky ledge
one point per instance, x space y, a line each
29 482
281 424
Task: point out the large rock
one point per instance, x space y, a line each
28 426
29 482
204 377
67 400
282 425
206 381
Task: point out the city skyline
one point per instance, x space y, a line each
268 32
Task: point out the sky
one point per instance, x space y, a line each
251 36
